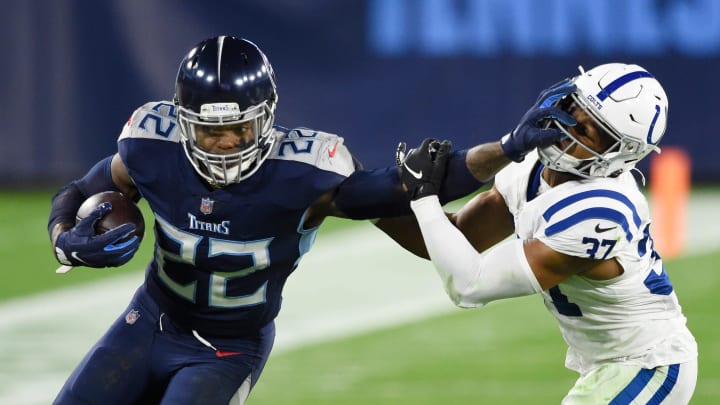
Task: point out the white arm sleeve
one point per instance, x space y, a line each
472 279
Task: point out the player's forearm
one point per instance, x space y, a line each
68 199
485 160
405 232
453 256
378 193
63 208
57 229
472 279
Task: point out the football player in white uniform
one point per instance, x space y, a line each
583 241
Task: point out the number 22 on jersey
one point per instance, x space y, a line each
218 297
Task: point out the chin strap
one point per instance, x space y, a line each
642 176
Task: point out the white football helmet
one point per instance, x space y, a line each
629 104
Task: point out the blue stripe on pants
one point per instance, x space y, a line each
667 386
641 380
626 396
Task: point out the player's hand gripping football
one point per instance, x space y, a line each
532 132
80 246
422 170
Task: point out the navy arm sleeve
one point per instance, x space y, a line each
68 199
378 193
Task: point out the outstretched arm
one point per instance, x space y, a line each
510 269
378 193
513 268
484 220
483 162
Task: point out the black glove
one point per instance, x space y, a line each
531 132
80 246
422 170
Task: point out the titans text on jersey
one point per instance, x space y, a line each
220 264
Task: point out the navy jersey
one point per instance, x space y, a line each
222 255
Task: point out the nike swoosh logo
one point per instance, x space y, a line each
75 256
221 354
417 175
601 230
331 152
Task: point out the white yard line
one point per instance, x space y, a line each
350 282
703 223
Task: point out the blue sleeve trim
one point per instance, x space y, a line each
589 194
591 213
658 284
534 185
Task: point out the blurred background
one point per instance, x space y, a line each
363 322
373 71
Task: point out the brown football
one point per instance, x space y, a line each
123 211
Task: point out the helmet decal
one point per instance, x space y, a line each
220 42
652 125
619 82
624 102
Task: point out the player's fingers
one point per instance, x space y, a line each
123 246
546 137
118 233
551 95
561 116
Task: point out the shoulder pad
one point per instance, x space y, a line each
320 149
578 223
154 120
512 182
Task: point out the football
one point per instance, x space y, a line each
123 211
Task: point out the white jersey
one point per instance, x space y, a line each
634 318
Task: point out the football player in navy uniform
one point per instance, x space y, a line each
237 202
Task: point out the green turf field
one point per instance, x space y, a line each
510 352
507 353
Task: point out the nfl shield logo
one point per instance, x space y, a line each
132 316
206 205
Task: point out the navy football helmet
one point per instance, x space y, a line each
225 83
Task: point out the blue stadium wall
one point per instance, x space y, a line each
373 71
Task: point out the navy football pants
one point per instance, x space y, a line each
140 361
